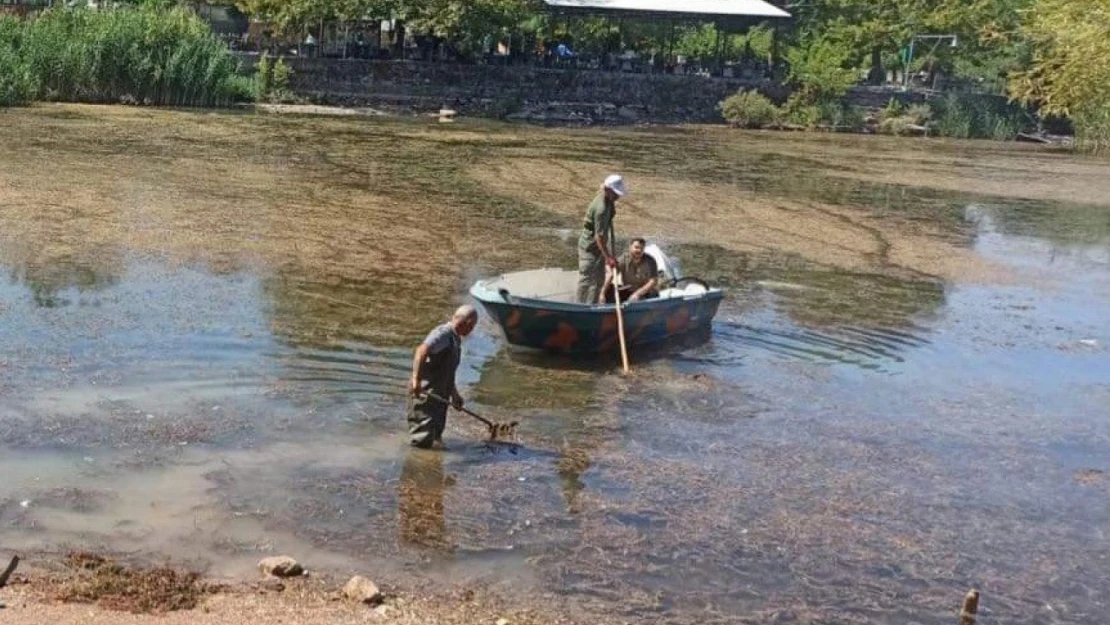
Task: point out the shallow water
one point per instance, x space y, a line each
204 362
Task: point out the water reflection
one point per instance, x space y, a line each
49 280
420 493
526 380
1065 225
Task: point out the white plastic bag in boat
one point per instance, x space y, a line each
666 265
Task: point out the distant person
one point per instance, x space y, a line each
597 235
639 275
434 364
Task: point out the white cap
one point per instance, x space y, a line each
616 183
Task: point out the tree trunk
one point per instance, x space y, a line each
878 74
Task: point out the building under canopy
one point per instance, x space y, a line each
725 15
719 11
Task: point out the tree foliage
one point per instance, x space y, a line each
820 69
1070 69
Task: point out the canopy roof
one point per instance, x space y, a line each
674 9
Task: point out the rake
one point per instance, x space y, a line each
496 430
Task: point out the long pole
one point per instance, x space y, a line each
620 317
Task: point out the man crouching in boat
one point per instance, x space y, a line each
433 373
639 275
596 237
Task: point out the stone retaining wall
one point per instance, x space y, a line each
532 93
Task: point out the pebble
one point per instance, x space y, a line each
25 503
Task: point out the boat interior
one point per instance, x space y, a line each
561 285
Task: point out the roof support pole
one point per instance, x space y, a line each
719 49
669 48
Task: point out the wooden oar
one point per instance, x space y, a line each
620 316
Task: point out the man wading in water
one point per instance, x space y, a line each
596 237
433 369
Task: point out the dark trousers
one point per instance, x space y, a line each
427 419
626 292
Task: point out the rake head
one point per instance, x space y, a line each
502 431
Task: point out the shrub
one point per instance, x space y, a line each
919 114
748 109
892 110
843 117
902 125
272 80
978 117
240 89
263 77
283 76
800 111
910 121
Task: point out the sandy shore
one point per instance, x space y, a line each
37 595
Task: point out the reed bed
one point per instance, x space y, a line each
143 55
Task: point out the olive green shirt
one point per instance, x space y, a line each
599 220
637 274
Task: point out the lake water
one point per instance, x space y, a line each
207 323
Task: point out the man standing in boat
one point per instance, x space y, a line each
596 239
639 275
434 364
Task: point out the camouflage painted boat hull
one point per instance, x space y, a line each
550 322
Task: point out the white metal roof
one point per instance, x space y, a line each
734 8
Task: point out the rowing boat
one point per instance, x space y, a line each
537 309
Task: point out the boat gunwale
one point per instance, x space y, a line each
485 295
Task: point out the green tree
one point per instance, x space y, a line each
820 69
1070 69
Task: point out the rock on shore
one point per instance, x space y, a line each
362 590
281 566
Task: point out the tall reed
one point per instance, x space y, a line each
1092 128
146 55
972 116
18 84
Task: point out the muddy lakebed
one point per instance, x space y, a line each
207 322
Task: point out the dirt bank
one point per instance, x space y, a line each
43 593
